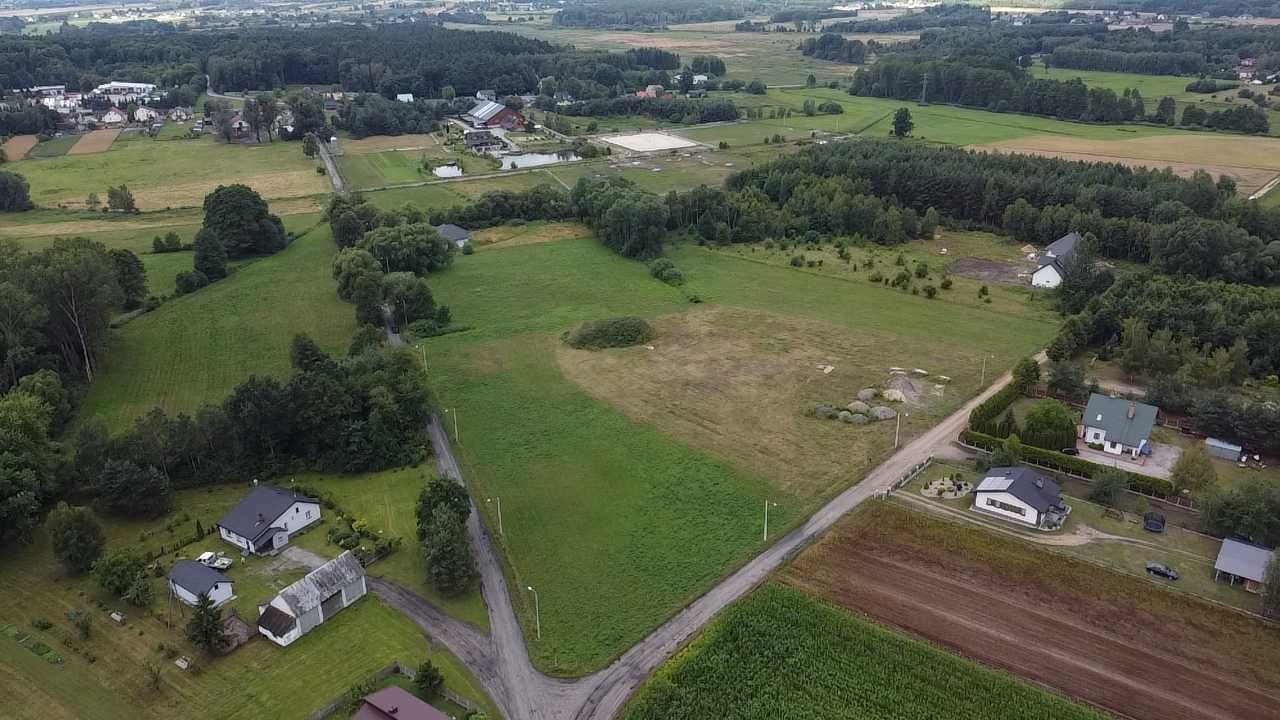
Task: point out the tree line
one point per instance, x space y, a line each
647 14
938 16
681 110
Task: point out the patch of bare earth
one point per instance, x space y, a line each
17 147
1251 161
990 270
283 184
1110 640
379 143
95 141
742 386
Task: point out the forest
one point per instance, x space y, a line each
645 14
938 16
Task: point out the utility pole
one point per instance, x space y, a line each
499 504
537 611
982 379
766 519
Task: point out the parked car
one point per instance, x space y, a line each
1162 570
1070 451
1153 522
216 561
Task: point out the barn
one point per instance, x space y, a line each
318 596
490 114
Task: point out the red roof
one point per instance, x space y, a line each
395 703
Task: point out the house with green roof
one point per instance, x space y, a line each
1119 426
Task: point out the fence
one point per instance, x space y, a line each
912 474
337 704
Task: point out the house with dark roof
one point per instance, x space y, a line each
1021 495
1118 426
318 596
490 114
265 520
457 236
188 580
1243 562
396 703
1052 263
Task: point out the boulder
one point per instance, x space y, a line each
856 419
845 415
825 411
894 396
867 394
858 407
881 412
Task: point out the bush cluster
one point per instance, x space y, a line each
610 333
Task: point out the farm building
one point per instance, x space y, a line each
188 580
457 236
265 520
494 115
1223 449
123 93
1021 495
1121 427
396 703
145 114
318 596
1053 262
489 95
1243 562
480 140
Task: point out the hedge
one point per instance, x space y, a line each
1145 484
984 418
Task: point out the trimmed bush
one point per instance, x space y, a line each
611 333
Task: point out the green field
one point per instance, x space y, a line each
197 348
268 681
53 148
782 653
165 174
624 508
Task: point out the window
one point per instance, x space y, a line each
308 514
1015 509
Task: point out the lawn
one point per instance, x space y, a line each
165 174
268 681
52 148
646 508
782 653
197 348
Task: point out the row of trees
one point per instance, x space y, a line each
681 110
830 46
645 14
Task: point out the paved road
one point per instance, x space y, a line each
501 662
331 167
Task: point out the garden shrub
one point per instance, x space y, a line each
610 333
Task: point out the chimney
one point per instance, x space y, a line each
1133 410
261 519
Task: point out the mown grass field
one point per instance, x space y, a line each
53 148
165 174
782 653
197 348
611 510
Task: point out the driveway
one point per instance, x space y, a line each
1158 464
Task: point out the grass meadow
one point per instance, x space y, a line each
780 652
197 348
618 510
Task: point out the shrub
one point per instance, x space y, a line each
875 276
614 332
930 291
666 271
797 261
922 270
190 281
946 283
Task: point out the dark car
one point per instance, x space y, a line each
1153 522
1070 451
1161 570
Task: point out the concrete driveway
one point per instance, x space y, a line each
1158 464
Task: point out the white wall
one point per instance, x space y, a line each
233 538
298 516
1046 277
982 501
219 594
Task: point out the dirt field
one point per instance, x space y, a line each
17 147
94 142
379 143
1251 161
989 270
1107 639
530 234
743 385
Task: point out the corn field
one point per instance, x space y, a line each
781 653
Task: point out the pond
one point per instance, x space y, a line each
447 171
528 160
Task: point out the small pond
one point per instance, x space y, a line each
447 171
528 160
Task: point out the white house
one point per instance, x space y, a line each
299 608
123 93
1121 427
1021 495
404 97
265 520
113 116
1053 262
145 114
188 580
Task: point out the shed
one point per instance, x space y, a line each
188 580
395 703
456 236
1240 561
1223 449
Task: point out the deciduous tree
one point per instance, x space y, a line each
76 535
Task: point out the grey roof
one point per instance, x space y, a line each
321 583
254 515
195 578
1063 246
486 110
1025 484
276 621
453 233
1113 415
1244 560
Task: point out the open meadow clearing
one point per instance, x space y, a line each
652 487
1115 641
17 147
269 682
173 173
197 348
782 653
94 142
